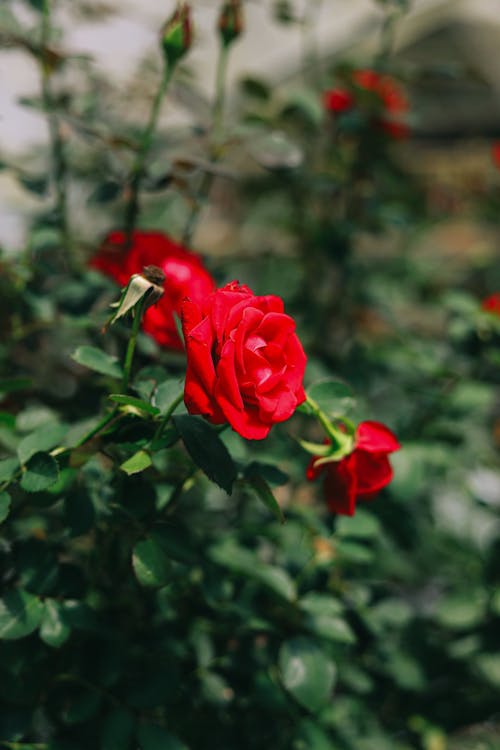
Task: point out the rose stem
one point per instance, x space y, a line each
173 406
137 172
59 166
129 354
342 441
215 145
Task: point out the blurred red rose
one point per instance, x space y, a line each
391 98
495 154
338 100
185 276
245 361
491 304
361 474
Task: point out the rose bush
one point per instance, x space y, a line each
361 474
185 275
245 361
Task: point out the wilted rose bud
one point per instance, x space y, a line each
146 287
230 21
176 35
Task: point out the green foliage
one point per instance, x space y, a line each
165 584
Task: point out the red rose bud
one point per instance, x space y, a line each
231 22
184 272
245 362
361 474
176 35
491 304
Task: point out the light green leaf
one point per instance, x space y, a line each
54 631
97 360
166 393
20 614
42 439
8 468
136 463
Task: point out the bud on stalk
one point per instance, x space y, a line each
176 35
231 22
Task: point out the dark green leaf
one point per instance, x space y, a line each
40 472
265 494
105 192
8 385
307 672
4 505
20 614
97 360
207 450
117 730
151 563
35 184
42 439
154 737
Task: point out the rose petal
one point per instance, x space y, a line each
375 437
373 472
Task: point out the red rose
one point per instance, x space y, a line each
491 304
245 362
338 100
495 154
361 474
185 276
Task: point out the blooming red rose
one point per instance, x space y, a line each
185 276
361 474
491 304
389 95
245 361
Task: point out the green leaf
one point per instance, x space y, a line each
4 505
460 611
489 666
166 393
42 439
8 469
244 562
137 403
333 397
151 563
105 192
8 385
40 472
54 631
207 450
265 494
97 360
307 672
34 183
154 737
136 463
117 730
20 614
362 525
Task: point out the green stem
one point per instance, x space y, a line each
129 355
58 158
341 441
137 173
215 144
99 426
168 414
